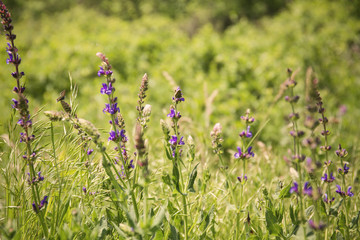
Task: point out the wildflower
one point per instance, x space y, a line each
242 178
248 120
40 178
178 97
101 72
107 89
246 133
41 205
341 152
307 189
111 108
174 140
147 111
326 179
216 138
173 114
89 152
345 170
241 155
343 194
114 136
295 188
84 189
320 226
327 200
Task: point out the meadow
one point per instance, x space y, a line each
179 119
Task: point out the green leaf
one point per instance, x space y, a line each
168 153
334 210
294 215
157 220
342 223
118 230
175 235
176 178
192 178
285 192
309 211
355 221
272 224
166 179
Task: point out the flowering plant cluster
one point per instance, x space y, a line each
78 181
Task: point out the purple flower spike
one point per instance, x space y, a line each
106 89
84 189
307 189
295 188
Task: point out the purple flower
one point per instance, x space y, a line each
16 89
42 204
114 136
327 200
326 179
111 108
315 226
241 155
89 152
173 114
174 140
131 164
249 152
307 189
346 168
10 59
242 178
40 178
34 207
238 154
341 152
16 103
343 194
84 189
295 188
178 96
101 72
349 193
246 133
106 89
123 136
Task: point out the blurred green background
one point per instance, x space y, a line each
237 50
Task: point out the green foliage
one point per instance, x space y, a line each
227 56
